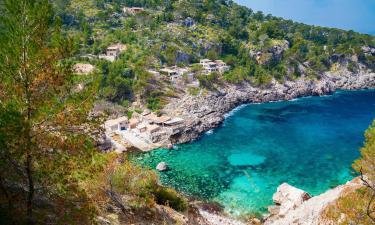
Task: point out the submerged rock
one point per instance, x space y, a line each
163 166
246 159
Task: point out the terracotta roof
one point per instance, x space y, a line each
162 119
134 120
152 128
116 121
175 121
151 117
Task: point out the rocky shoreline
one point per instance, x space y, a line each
295 206
208 111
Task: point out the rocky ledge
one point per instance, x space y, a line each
208 111
294 206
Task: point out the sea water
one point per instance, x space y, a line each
309 143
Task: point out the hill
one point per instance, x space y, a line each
257 47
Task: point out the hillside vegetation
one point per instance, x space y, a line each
358 206
258 47
51 169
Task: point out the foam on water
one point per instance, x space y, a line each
310 143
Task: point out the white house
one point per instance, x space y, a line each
214 66
113 52
208 66
169 72
133 10
119 124
222 66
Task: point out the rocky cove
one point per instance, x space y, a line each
207 112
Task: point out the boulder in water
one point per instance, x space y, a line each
163 166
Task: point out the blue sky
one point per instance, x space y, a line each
358 15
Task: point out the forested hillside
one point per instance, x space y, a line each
51 168
258 47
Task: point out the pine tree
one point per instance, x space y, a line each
45 149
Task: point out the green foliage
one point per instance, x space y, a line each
140 186
193 91
262 76
237 75
49 154
168 196
355 203
221 29
154 103
208 81
366 163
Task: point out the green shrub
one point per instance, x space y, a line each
154 103
169 197
129 114
193 91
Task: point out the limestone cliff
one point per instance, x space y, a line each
293 206
208 110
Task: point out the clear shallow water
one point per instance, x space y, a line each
309 143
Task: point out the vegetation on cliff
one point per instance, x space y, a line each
258 47
357 206
50 169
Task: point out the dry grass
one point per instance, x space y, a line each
350 208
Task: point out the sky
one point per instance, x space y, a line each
358 15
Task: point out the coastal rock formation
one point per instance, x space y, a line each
296 209
287 198
162 166
206 112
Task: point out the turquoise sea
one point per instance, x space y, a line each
309 143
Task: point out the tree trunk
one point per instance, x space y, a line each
30 194
6 194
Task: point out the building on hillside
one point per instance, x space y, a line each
152 129
142 127
113 52
133 10
182 71
161 120
133 123
150 118
154 73
210 66
222 66
168 72
172 74
115 125
154 119
203 62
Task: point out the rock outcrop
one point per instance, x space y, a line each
206 112
297 208
162 166
287 198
